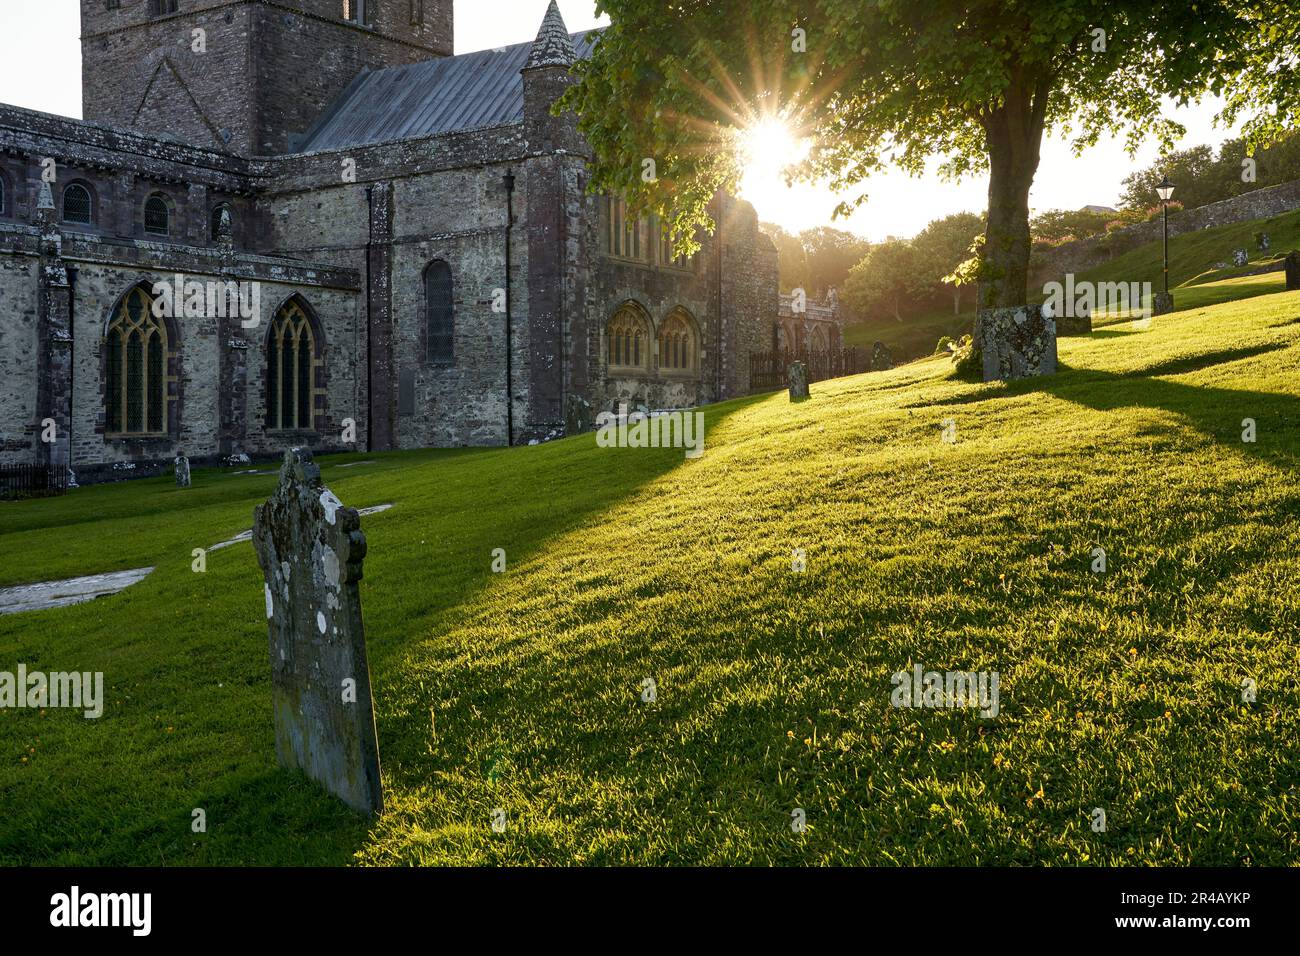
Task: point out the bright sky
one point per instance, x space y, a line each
40 68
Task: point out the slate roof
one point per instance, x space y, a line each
470 91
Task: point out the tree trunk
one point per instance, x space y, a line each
1014 132
956 300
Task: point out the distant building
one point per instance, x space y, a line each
1098 209
432 268
818 327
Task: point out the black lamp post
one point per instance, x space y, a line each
1165 190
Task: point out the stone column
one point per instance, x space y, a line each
54 376
382 378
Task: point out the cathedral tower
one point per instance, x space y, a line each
249 76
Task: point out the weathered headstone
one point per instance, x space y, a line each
578 416
881 358
1293 272
311 550
182 471
1240 257
1264 241
1075 321
1162 303
798 382
1016 342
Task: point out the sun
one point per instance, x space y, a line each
766 149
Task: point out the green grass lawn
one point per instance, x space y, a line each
1193 279
914 338
1194 255
522 690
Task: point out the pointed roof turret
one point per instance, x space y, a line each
553 47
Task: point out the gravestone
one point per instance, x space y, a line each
798 382
1240 256
1293 272
182 471
881 358
1017 342
1264 241
311 548
1075 321
1162 303
577 415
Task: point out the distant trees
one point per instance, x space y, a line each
1203 177
816 260
942 246
1061 225
792 258
887 280
831 254
901 277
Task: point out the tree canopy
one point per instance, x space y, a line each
873 83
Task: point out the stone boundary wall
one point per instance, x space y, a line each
1085 254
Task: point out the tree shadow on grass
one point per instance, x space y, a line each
1217 412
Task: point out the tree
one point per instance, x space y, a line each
877 81
792 258
1191 170
943 245
831 254
1203 178
1057 225
891 272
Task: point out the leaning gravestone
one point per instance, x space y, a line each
1162 303
1264 241
1016 342
311 549
182 471
1293 272
881 358
1240 256
798 382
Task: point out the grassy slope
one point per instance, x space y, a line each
1192 276
521 690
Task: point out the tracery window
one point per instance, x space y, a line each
290 369
135 368
628 333
679 346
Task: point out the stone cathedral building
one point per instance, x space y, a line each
430 269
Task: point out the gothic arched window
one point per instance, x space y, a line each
135 368
290 369
679 345
440 312
159 8
820 343
629 338
157 216
77 204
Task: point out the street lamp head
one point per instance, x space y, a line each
1165 189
